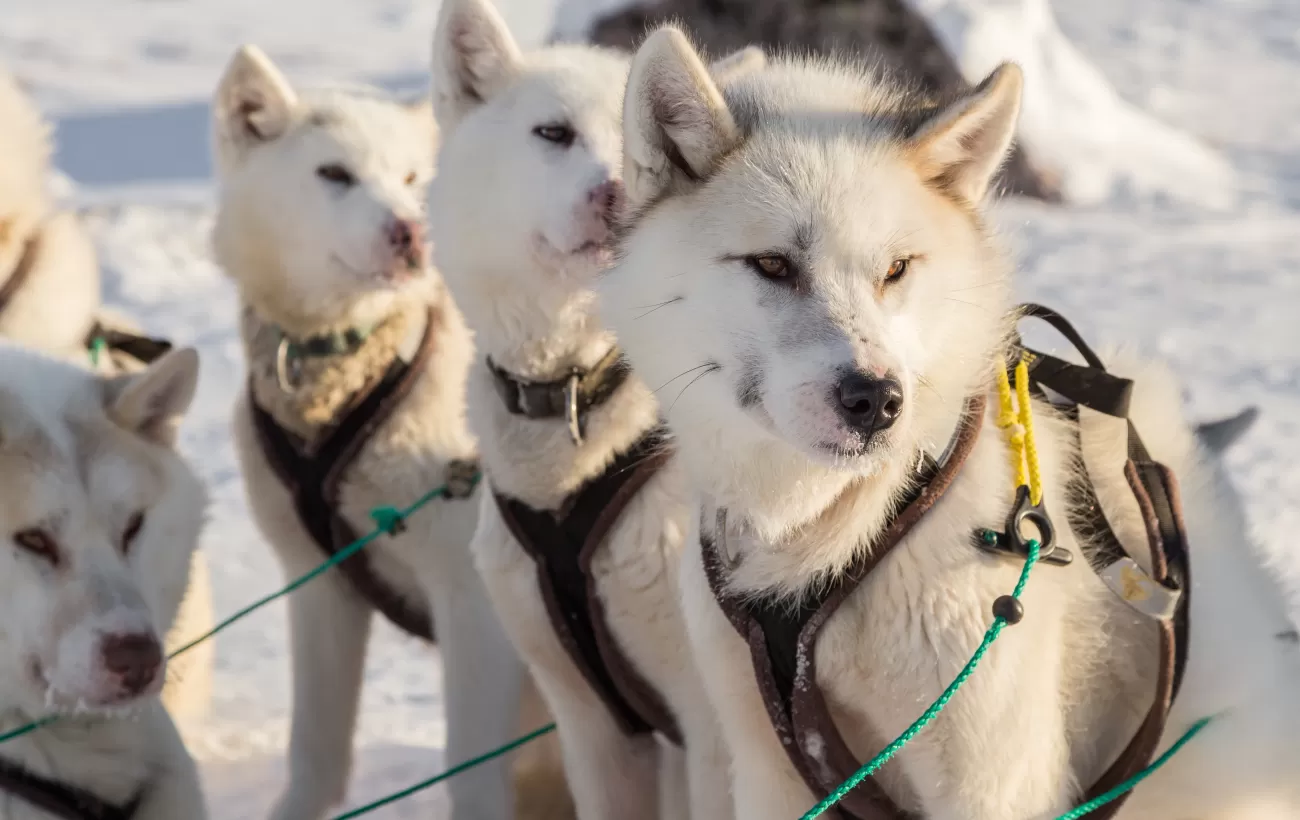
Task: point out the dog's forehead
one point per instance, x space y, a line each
57 443
366 129
576 82
821 155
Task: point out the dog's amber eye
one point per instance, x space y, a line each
411 178
772 265
40 543
557 133
336 174
897 270
133 528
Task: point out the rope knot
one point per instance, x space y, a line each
389 519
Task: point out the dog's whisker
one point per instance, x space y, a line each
683 373
987 284
964 302
929 385
653 308
713 368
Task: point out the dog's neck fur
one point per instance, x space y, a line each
327 384
809 520
543 334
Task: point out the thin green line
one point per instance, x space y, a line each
447 775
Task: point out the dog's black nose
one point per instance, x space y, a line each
869 404
135 659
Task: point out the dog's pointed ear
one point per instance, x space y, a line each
960 148
1218 436
676 125
254 102
474 56
152 403
738 64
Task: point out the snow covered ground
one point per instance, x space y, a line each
1215 291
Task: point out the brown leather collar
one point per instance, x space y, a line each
569 398
58 798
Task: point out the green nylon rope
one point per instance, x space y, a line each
1127 785
999 623
387 521
97 346
447 775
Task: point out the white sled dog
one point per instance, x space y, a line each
585 514
829 282
357 360
50 300
101 517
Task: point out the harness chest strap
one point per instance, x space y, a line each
562 544
60 799
777 637
314 477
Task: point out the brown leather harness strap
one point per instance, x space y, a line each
60 799
1155 488
314 476
21 271
782 644
562 543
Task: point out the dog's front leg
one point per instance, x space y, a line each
173 792
764 785
330 627
613 776
708 765
482 681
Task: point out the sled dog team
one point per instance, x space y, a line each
735 351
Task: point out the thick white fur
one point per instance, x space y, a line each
520 244
311 256
810 159
53 311
79 456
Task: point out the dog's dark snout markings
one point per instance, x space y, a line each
868 403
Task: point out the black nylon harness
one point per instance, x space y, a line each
313 477
60 799
779 636
563 542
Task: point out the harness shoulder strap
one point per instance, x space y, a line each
1155 489
562 543
60 799
782 643
314 480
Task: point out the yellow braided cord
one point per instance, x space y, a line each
1029 443
1008 422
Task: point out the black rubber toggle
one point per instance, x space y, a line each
1009 609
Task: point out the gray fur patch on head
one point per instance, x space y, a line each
749 387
